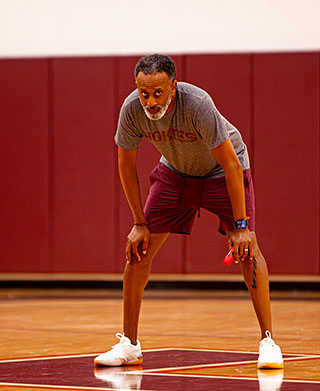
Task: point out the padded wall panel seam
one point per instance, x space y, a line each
116 183
50 164
251 108
319 156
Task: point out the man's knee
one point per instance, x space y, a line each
254 239
145 260
256 249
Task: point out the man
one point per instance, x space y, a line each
204 164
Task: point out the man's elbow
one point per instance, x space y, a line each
127 159
234 167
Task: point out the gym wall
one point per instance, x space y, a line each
62 207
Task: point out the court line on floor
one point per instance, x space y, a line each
177 373
199 366
22 385
149 373
230 351
164 371
57 357
26 385
9 360
223 364
225 377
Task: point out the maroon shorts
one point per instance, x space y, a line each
174 201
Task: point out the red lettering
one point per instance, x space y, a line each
164 135
148 135
181 134
156 136
175 134
191 137
171 134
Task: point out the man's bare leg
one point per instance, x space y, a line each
260 295
136 276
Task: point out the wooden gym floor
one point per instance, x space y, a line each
192 340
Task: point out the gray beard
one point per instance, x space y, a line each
160 113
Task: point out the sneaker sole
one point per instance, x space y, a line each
123 363
137 362
270 365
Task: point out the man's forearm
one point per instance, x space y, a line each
225 155
235 186
130 183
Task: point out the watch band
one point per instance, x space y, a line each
140 224
241 223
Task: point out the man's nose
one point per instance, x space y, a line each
151 101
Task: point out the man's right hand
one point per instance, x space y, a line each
137 235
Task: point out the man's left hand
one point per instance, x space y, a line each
241 239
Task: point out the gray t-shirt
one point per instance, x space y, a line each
184 136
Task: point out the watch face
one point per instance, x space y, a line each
241 224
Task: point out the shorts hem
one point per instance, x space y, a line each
162 230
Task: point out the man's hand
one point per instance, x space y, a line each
137 235
241 239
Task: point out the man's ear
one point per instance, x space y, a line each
174 85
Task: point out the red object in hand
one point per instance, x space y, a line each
229 258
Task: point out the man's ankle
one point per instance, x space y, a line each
133 341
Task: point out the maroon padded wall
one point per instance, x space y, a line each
286 123
62 206
23 165
83 168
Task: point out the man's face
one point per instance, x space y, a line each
157 94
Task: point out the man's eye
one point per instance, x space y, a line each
144 94
158 93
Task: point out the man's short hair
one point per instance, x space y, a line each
154 63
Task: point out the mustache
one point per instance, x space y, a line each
153 107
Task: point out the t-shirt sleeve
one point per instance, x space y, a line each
211 125
127 135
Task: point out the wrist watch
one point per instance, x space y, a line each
241 224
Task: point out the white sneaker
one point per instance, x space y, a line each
270 380
270 355
123 353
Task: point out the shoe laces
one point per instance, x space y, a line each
121 348
268 342
123 341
